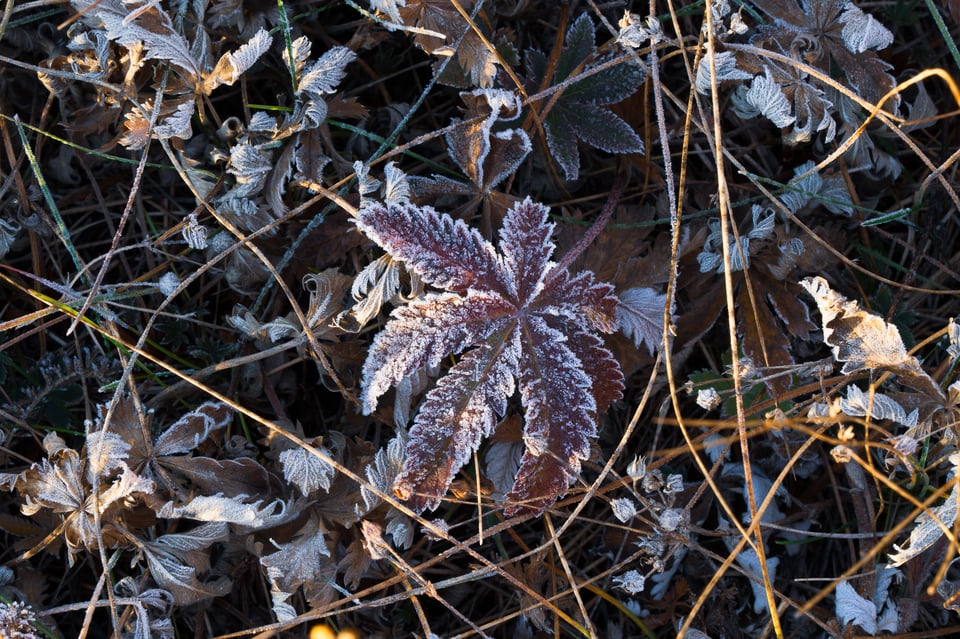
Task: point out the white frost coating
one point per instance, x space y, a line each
640 316
764 97
307 471
868 343
623 509
526 246
325 74
878 406
226 509
168 283
708 398
930 524
234 64
862 32
105 453
422 334
726 65
396 188
672 518
631 581
301 48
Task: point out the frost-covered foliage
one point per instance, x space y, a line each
520 321
242 354
579 113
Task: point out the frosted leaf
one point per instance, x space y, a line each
366 184
674 484
176 125
726 65
396 189
708 398
234 64
835 197
762 226
389 7
307 471
630 581
750 562
233 510
637 468
485 156
929 525
710 257
193 428
623 509
861 339
862 32
175 575
194 233
455 416
857 403
426 331
400 528
672 519
8 233
301 53
854 609
444 252
764 97
526 247
635 32
386 465
304 562
262 122
250 164
522 317
152 29
168 283
325 74
374 286
106 452
640 316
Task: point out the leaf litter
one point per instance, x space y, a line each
366 353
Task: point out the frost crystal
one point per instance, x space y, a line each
305 470
672 518
513 315
708 398
631 581
635 34
637 468
764 97
623 509
726 65
168 283
16 621
862 32
194 233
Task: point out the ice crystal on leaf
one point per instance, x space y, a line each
830 35
578 113
519 321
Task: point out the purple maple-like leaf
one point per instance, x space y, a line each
517 319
